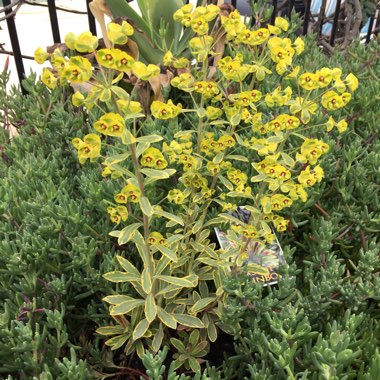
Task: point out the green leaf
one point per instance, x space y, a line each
116 299
287 159
178 345
118 276
115 233
110 330
141 148
230 218
259 178
158 337
212 332
117 341
126 307
127 265
266 227
118 78
116 158
183 133
189 321
276 139
150 308
146 280
127 233
146 207
170 216
129 138
168 253
226 182
235 194
202 304
150 139
162 264
166 318
197 226
194 364
140 329
237 158
158 174
218 158
187 282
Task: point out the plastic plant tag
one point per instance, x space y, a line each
262 260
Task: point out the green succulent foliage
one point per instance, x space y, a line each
52 246
156 31
321 321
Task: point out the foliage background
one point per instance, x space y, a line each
322 317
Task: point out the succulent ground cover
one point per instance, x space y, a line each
320 321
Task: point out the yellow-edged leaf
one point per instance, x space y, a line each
140 329
187 282
170 216
150 308
146 280
168 253
117 341
189 321
126 307
116 299
202 304
127 233
146 207
110 330
127 265
166 318
118 276
149 139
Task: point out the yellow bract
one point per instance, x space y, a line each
88 148
145 72
118 34
84 43
40 55
162 110
48 78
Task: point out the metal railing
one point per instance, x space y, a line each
10 9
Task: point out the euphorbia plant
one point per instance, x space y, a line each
243 134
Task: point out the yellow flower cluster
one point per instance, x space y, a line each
88 148
162 110
84 43
111 124
130 193
198 19
153 158
118 214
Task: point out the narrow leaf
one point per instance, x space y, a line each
202 304
166 318
140 329
170 216
146 207
146 281
189 321
157 340
150 308
110 330
116 299
149 139
186 282
126 307
127 233
168 253
117 276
